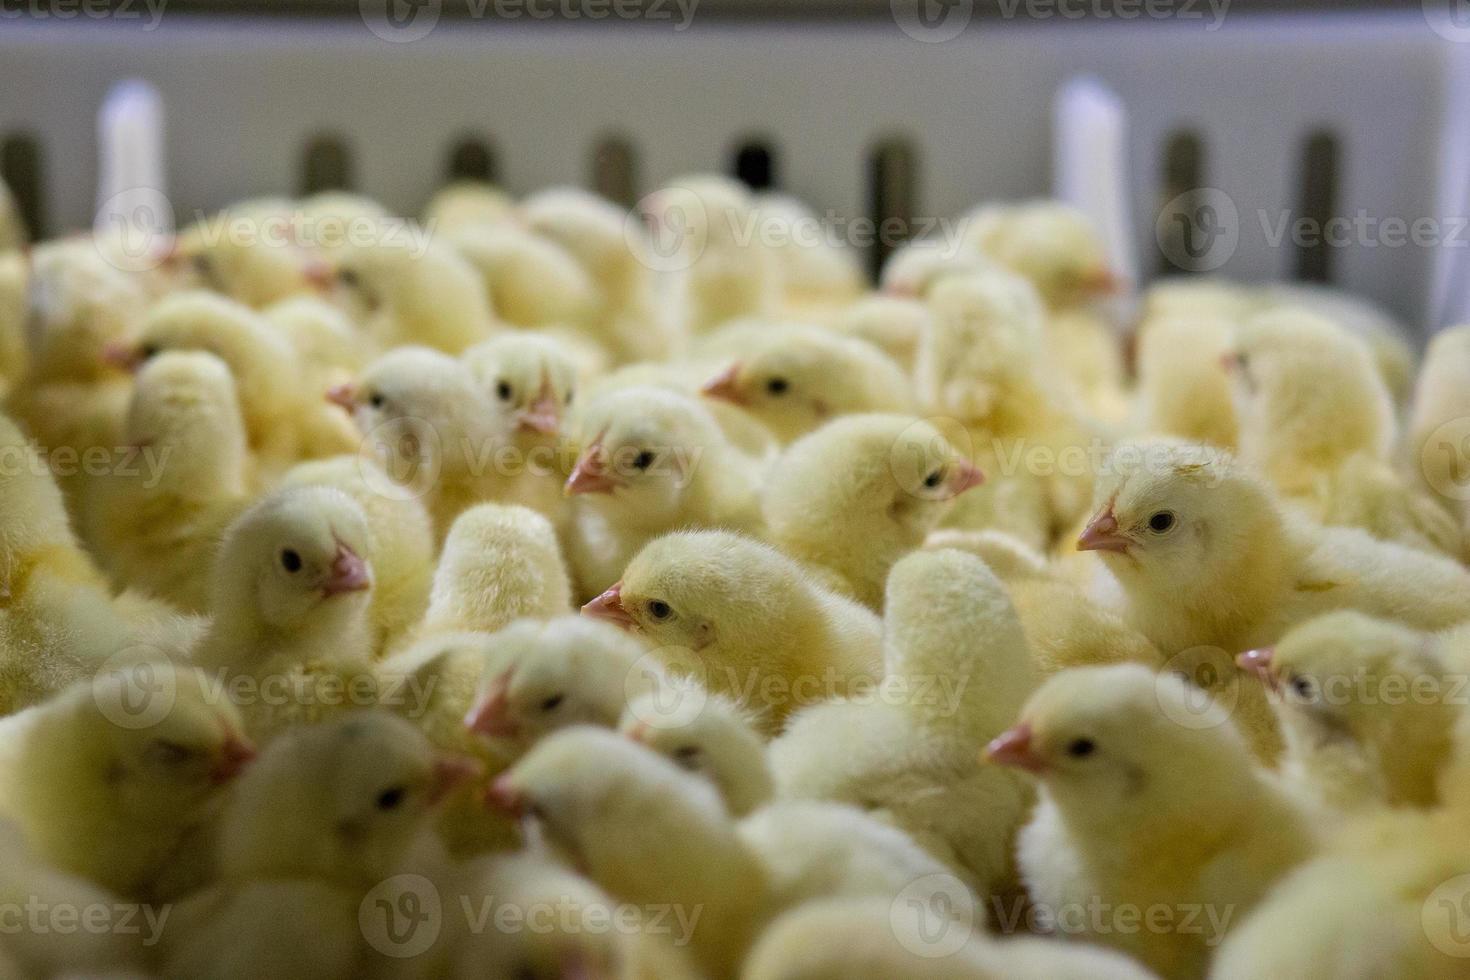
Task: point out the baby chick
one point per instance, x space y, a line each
746 621
466 204
532 281
1183 391
12 229
857 494
918 266
793 380
1148 800
1441 397
893 324
651 461
155 530
118 778
957 671
720 742
816 274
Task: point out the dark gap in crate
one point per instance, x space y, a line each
472 158
614 170
326 165
893 171
1317 204
755 165
1184 177
20 166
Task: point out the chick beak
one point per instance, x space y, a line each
343 395
349 573
1014 748
609 606
1260 662
234 756
1102 281
1101 534
542 415
723 386
639 733
967 476
318 274
590 475
1230 361
451 771
503 797
123 356
491 713
902 290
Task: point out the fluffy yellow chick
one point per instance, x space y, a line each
630 319
1385 902
464 204
745 621
795 379
12 229
816 272
400 541
15 272
500 563
155 527
917 267
719 742
411 289
857 494
249 252
290 632
118 778
651 461
1441 399
1367 708
957 671
725 267
1184 389
893 324
1149 801
532 281
330 346
326 814
429 425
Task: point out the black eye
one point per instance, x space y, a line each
201 263
687 755
1303 687
777 386
390 798
570 394
553 702
1081 748
503 389
376 400
347 277
932 480
290 560
147 351
643 460
169 753
1161 522
659 609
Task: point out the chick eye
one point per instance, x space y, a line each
168 753
377 400
348 277
778 386
148 351
1161 522
659 609
553 702
932 480
1081 748
570 394
201 263
1303 687
390 799
643 460
291 560
687 756
503 390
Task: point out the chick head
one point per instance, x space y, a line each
249 253
184 403
159 768
344 799
80 309
916 268
707 213
718 743
531 376
985 334
295 553
641 448
1054 245
591 228
864 474
541 676
1107 741
1173 515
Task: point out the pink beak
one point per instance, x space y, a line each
1101 534
343 395
542 415
639 732
125 357
320 275
723 386
491 713
1103 282
349 573
609 607
903 290
451 771
1259 662
1014 748
504 798
590 475
236 754
967 476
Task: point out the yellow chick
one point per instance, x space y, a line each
249 252
329 345
155 527
1367 708
957 670
744 621
500 563
629 318
816 272
651 461
1150 802
720 742
1184 388
118 778
918 266
12 228
428 424
466 204
1441 400
893 324
860 492
411 289
15 273
795 379
532 281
